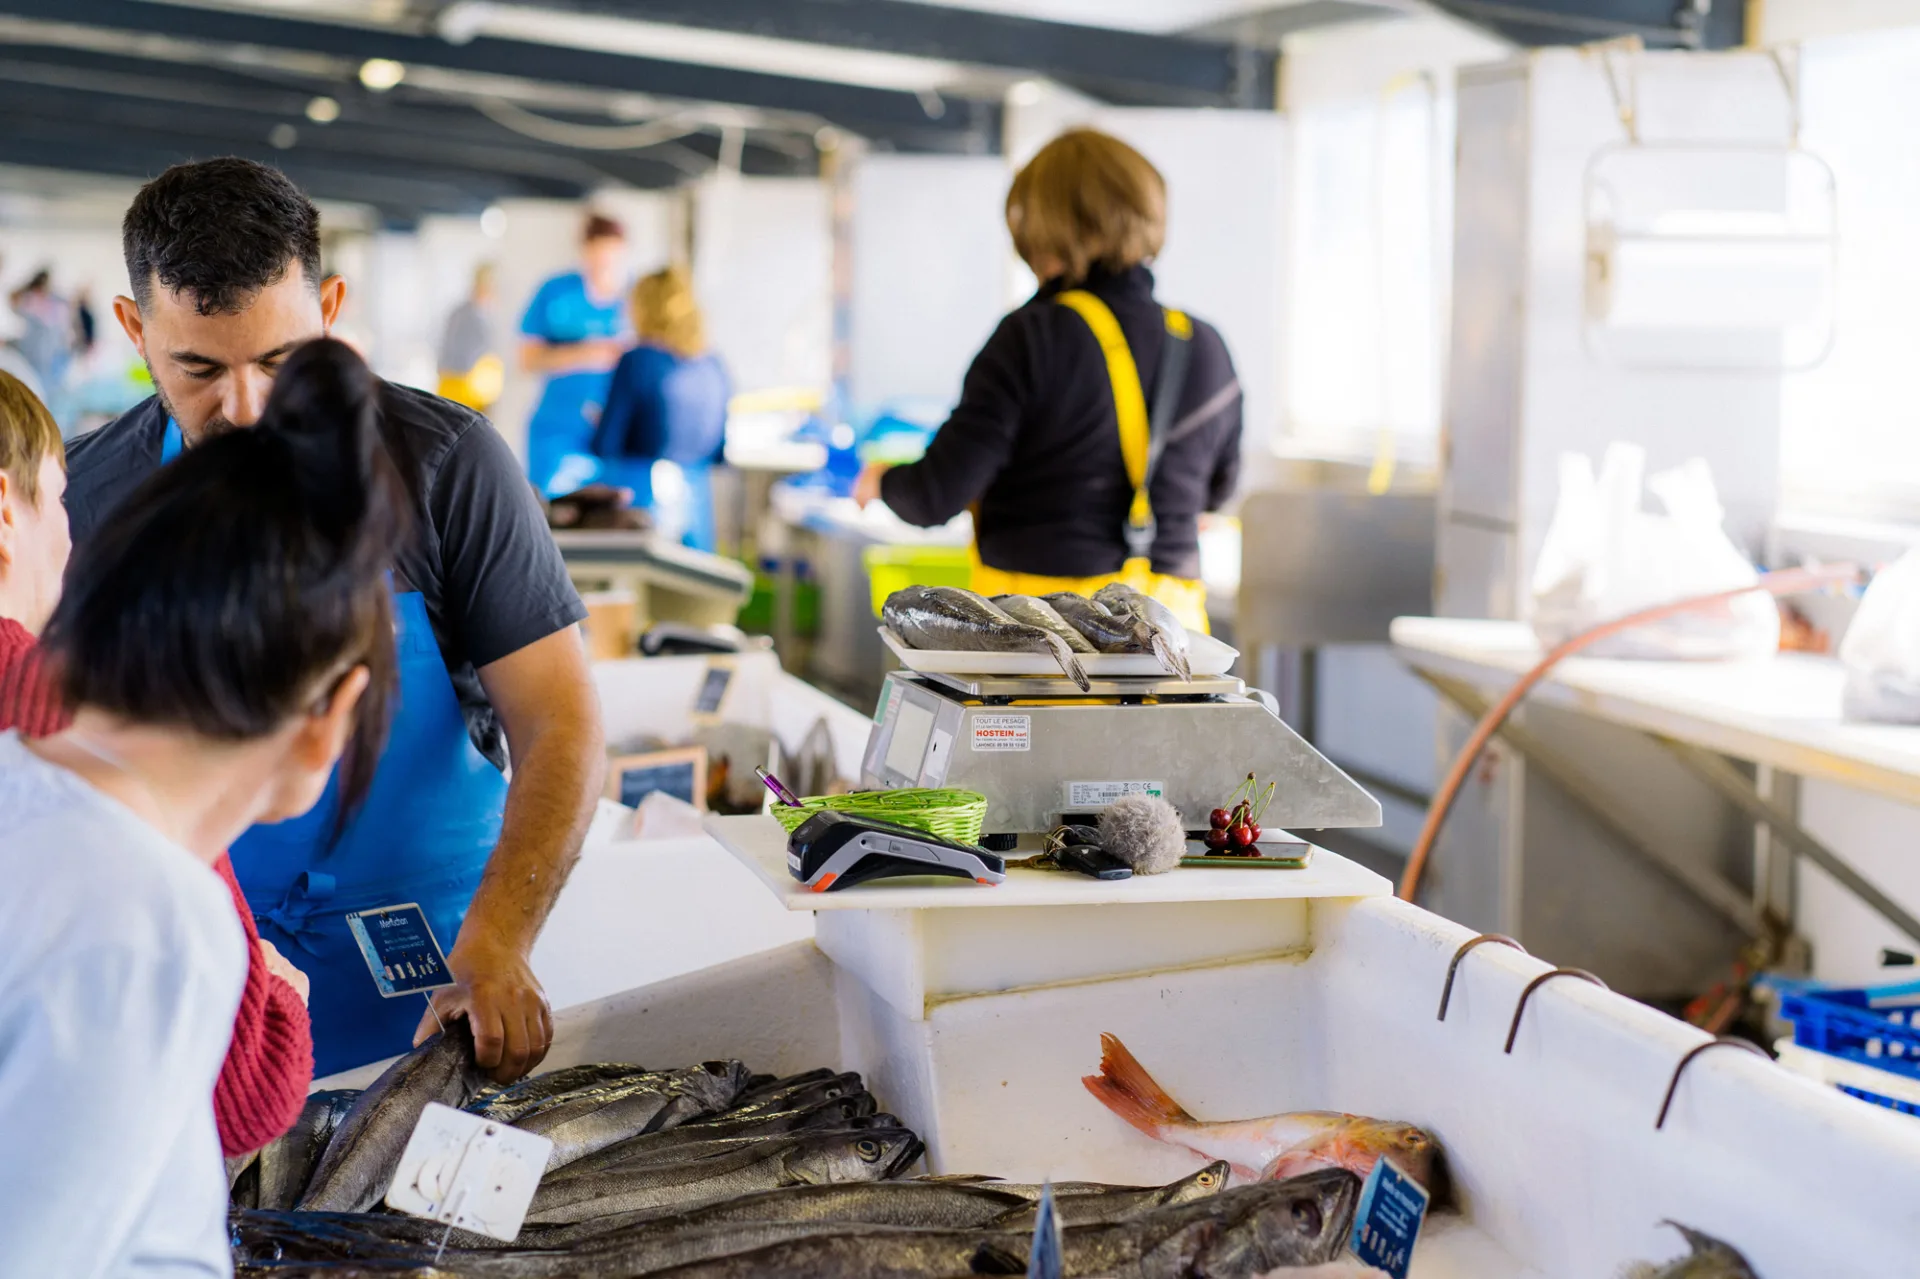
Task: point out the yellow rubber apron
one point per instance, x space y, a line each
1141 439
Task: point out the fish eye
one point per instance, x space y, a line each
1209 1178
868 1150
1306 1215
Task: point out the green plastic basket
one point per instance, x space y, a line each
895 568
951 814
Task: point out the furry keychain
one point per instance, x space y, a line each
1145 832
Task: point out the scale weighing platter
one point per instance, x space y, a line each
1024 686
1206 655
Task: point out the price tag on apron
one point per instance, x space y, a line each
398 945
1392 1206
472 1173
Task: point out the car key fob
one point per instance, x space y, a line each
1097 863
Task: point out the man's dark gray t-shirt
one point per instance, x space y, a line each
482 555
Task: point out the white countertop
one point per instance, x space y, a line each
758 841
1784 711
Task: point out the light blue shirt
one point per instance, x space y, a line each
121 965
562 426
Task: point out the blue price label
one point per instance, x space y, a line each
1392 1206
398 945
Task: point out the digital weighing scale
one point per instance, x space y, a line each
1043 752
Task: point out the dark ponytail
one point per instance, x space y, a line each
237 586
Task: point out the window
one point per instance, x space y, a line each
1850 429
1371 251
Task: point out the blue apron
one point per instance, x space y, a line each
424 833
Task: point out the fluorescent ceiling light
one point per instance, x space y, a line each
703 48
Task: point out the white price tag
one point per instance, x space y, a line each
461 1170
1082 796
996 733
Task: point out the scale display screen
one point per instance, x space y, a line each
911 729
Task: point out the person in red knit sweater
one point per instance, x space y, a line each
269 1065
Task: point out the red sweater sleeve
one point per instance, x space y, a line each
269 1066
28 699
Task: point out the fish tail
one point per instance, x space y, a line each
1124 1087
1068 662
1172 658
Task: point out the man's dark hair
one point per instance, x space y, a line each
219 231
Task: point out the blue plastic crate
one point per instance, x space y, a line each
1891 1103
1877 1026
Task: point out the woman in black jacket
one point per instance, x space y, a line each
1095 426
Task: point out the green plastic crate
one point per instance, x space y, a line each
895 568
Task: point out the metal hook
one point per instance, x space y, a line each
1674 1083
1446 991
1535 984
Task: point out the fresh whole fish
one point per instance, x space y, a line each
585 1127
271 1238
243 1181
1237 1234
1087 1204
586 1097
505 1105
1037 612
630 1157
837 1114
1098 626
799 1095
947 619
761 1085
354 1172
1273 1147
1165 635
802 1159
929 1205
287 1162
1707 1258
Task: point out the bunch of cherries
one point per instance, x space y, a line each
1236 828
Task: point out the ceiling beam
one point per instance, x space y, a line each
400 202
225 106
902 119
1121 66
1662 24
401 192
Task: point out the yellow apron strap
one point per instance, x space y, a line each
1129 400
1186 598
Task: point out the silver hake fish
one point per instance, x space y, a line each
1164 634
1037 612
947 619
359 1161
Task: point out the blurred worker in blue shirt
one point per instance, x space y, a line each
575 331
667 402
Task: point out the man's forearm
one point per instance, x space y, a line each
550 802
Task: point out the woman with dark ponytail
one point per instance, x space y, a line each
222 643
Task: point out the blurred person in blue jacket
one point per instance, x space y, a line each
667 403
575 330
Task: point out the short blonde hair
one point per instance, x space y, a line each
1086 200
28 436
666 314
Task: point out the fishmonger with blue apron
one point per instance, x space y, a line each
490 663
